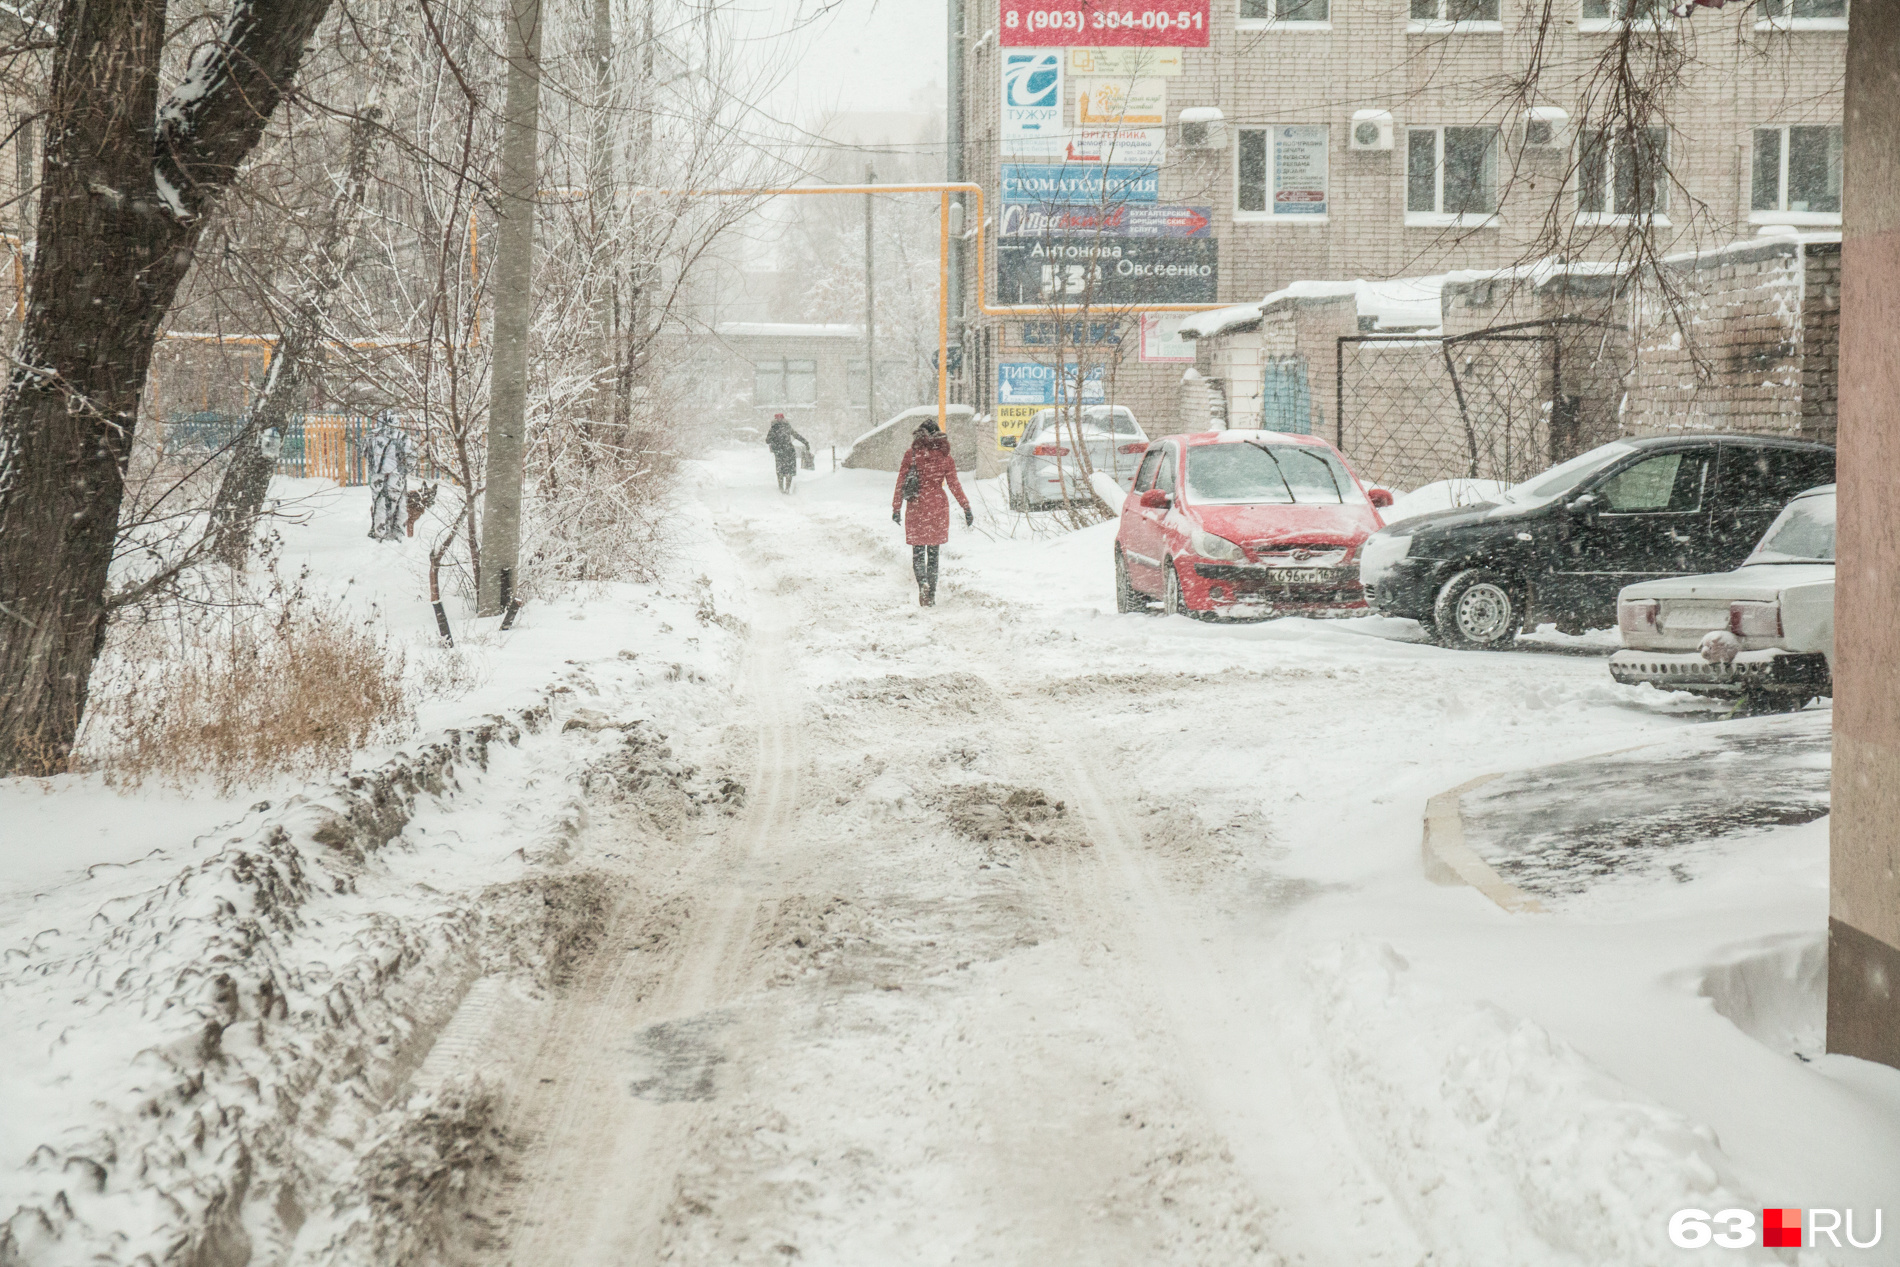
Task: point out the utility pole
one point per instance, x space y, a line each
870 303
953 172
514 299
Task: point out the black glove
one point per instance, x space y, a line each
897 516
969 517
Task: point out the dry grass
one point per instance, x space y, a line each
241 693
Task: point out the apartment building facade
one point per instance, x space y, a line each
1342 139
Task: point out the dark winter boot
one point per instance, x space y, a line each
930 596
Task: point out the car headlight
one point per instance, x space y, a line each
1209 546
1381 553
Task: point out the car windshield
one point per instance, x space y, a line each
1565 476
1273 474
1803 533
1116 420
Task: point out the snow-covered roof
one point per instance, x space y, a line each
1403 302
786 330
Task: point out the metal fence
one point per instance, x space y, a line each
1490 404
320 446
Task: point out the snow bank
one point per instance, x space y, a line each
1504 1144
1111 493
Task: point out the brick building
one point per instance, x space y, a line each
1498 373
1345 139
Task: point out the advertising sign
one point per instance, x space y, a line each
1299 171
1121 103
1032 384
1138 147
1107 271
1033 335
1011 422
1138 23
1032 92
1161 338
1130 220
1126 62
1079 182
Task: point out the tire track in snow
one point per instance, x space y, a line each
601 1175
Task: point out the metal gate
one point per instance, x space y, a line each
1490 404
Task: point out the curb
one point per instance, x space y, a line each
1448 860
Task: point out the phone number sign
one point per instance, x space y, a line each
1105 23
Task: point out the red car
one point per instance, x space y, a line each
1247 524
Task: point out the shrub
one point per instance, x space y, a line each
241 692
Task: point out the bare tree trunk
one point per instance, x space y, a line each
299 352
124 190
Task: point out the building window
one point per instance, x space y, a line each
1802 15
1797 175
1451 176
1625 176
1280 174
1261 11
1454 15
1611 15
780 381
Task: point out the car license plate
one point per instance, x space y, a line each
1305 576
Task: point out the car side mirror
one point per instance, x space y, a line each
1586 506
1381 498
1155 499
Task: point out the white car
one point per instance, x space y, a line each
1043 470
1763 633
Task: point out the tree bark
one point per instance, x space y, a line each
125 187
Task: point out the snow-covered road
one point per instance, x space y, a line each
1052 936
760 916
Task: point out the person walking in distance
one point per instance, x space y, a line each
919 504
779 438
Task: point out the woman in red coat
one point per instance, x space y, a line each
926 468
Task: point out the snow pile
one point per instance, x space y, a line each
1442 495
1502 1142
212 1014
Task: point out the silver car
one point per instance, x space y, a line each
1044 467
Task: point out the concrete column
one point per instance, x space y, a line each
1863 996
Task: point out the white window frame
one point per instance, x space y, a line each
1445 219
1269 216
1443 25
1795 219
1278 23
1788 22
1660 19
1658 219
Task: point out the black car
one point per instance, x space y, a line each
1559 546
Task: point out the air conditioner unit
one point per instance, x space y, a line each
1544 128
1371 130
1203 128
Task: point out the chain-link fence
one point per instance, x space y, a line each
1490 404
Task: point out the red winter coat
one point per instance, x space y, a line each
927 520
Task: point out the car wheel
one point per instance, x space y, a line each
1127 597
1173 603
1017 501
1477 609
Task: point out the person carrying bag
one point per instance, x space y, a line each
918 502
